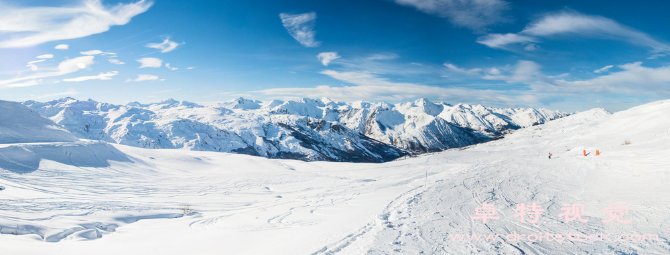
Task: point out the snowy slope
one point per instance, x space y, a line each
309 129
27 139
516 170
250 205
19 124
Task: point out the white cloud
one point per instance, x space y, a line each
91 52
30 26
189 68
101 76
65 67
502 40
383 56
573 23
531 47
494 71
46 56
326 57
170 67
116 61
150 62
604 69
472 14
144 77
62 47
457 69
165 46
301 27
525 71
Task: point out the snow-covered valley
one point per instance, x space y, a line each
82 197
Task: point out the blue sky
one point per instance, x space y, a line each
564 55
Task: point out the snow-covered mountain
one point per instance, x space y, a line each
309 129
19 124
28 140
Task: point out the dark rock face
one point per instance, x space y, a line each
353 146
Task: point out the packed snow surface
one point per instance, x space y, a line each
131 200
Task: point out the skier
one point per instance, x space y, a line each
549 155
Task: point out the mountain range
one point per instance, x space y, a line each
307 129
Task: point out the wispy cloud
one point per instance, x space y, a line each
633 79
384 63
46 56
301 27
190 67
326 57
150 62
528 85
657 55
457 69
62 47
65 67
91 52
573 23
32 65
383 56
502 40
166 91
523 72
101 76
30 26
604 69
170 67
144 77
368 86
116 61
25 84
165 46
473 14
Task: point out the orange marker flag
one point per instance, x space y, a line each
585 153
597 152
